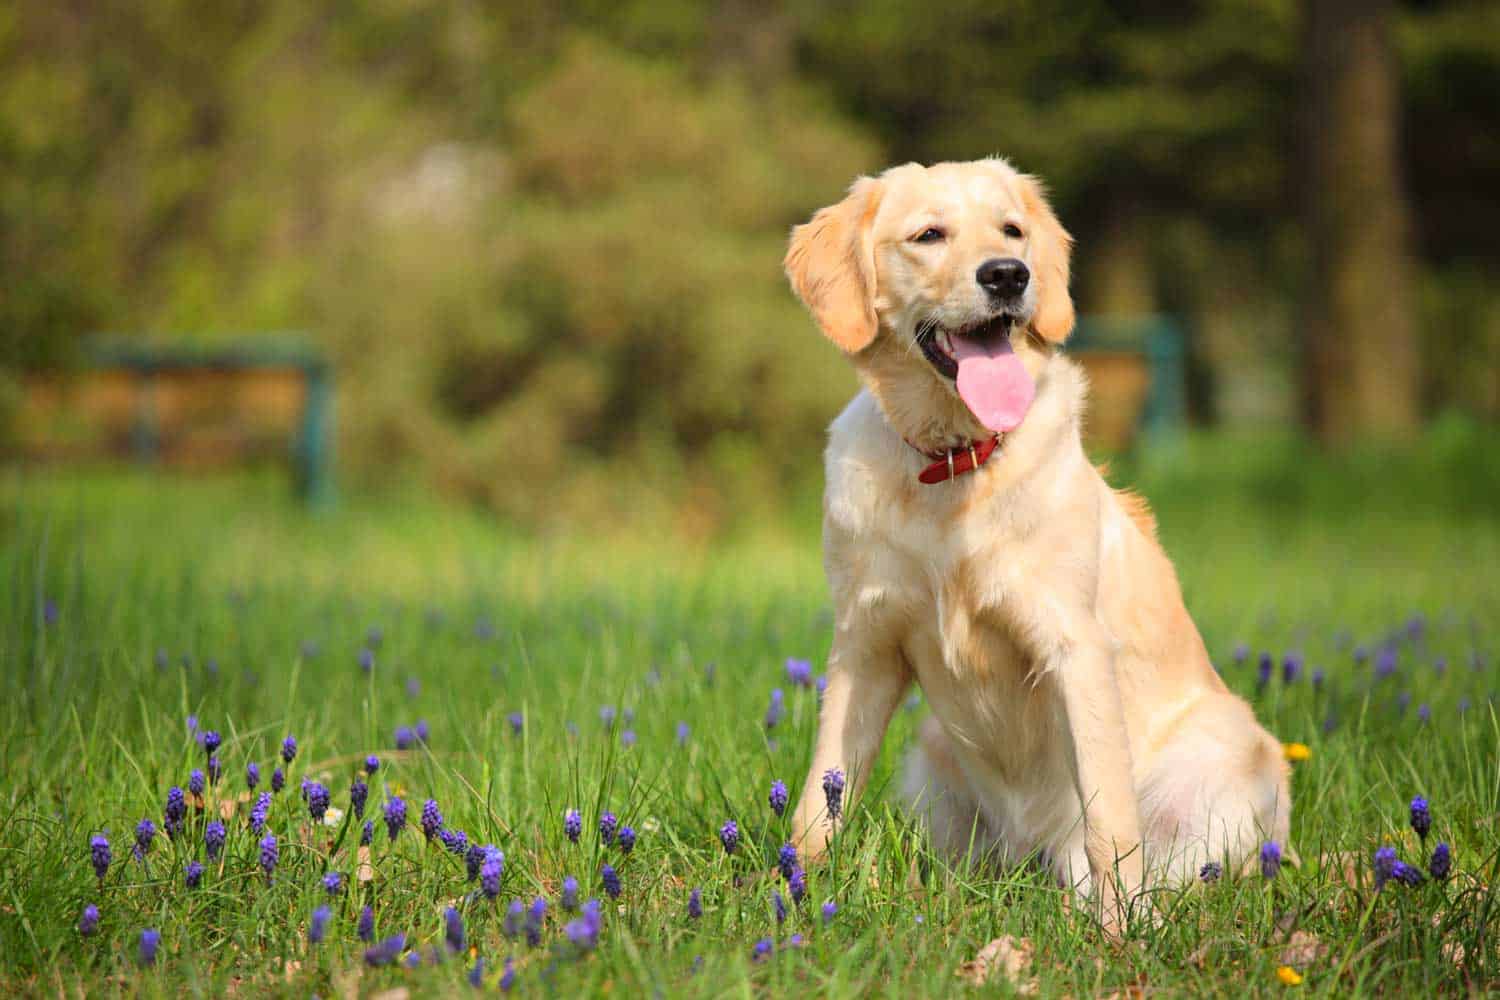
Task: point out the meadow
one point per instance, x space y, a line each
512 678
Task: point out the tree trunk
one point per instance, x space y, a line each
1362 374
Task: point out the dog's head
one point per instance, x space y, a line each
949 279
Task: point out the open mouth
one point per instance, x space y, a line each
989 377
941 347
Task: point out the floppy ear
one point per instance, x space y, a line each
1050 249
831 264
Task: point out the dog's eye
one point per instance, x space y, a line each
931 234
1012 230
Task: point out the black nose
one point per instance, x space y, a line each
1003 278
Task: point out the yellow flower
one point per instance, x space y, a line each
1289 975
1296 751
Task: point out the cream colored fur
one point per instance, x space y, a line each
1075 713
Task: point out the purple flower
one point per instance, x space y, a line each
99 853
88 923
1291 667
289 749
372 764
366 660
359 793
456 841
260 811
822 685
830 910
1264 666
175 812
1241 654
1385 662
517 722
1318 677
395 817
278 780
515 919
196 782
508 977
214 770
474 860
213 839
1270 859
695 904
778 797
1210 872
776 709
569 894
627 738
627 839
317 801
366 924
778 906
536 921
367 833
786 859
833 790
145 832
150 940
1407 874
476 974
453 930
318 926
611 880
386 951
799 673
1441 863
762 950
269 854
729 836
252 775
1385 865
432 819
796 884
684 732
607 716
572 825
49 612
584 932
333 883
607 826
1424 713
422 731
404 737
1421 817
212 741
490 872
193 874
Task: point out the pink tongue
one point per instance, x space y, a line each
993 382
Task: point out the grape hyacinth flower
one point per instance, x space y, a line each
627 839
269 854
572 825
1424 713
317 801
584 932
88 922
211 742
422 731
260 811
366 927
366 660
684 733
508 977
474 860
367 833
833 790
333 883
515 919
786 859
1270 859
778 906
395 817
822 685
386 951
607 825
517 722
799 672
453 930
611 880
99 854
1385 865
569 899
695 904
359 793
1385 662
432 819
317 927
289 749
1421 817
150 940
175 812
1318 677
729 836
145 832
213 839
456 841
796 884
1291 668
830 910
627 738
372 764
252 775
607 716
196 782
1441 863
778 797
404 737
1407 874
1264 667
193 874
476 974
762 950
490 872
214 770
1241 654
278 780
536 921
1210 872
776 709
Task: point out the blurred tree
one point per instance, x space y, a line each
1364 369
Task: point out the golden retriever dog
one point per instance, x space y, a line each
971 547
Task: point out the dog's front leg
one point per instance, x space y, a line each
865 684
1102 769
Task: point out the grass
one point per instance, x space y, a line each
219 598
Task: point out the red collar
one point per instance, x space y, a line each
955 462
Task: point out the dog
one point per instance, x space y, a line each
972 548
